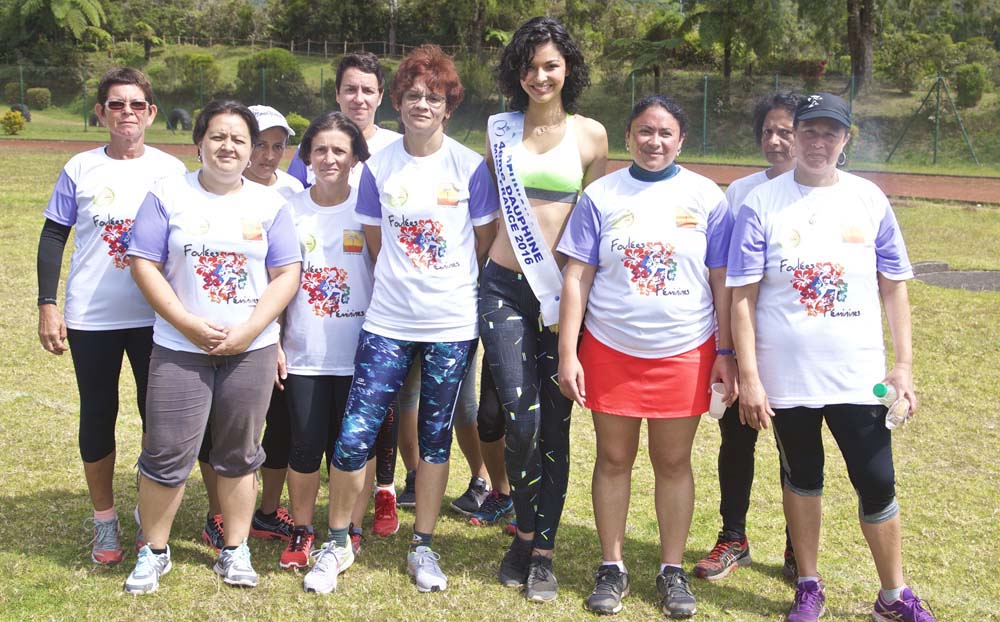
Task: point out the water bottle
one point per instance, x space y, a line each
899 407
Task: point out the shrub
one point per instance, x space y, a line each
477 78
971 81
38 98
299 124
902 61
12 122
188 74
273 76
12 93
129 54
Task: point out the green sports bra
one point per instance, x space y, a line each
555 175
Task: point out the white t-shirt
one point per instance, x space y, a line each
816 253
737 191
652 243
215 251
100 197
426 274
323 321
286 185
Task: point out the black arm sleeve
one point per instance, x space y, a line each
51 245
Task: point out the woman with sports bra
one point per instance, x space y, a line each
541 155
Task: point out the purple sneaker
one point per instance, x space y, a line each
809 603
907 609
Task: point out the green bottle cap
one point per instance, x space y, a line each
880 390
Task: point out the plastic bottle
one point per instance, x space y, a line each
899 407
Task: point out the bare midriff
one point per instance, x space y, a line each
551 216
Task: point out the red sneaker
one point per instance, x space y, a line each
386 520
107 549
296 554
730 552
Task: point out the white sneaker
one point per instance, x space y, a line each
330 561
422 565
149 567
234 566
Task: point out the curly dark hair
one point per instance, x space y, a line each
334 121
786 101
517 56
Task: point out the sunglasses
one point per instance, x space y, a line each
136 105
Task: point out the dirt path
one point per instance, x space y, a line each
941 187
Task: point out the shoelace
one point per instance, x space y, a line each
720 549
677 585
324 556
146 562
539 573
284 517
216 523
491 505
106 534
241 557
916 610
384 510
808 599
426 558
607 582
299 539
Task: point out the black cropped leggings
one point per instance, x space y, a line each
523 360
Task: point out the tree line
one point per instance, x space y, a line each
652 35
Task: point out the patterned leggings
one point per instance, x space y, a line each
523 360
380 367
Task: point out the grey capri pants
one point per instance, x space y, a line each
188 390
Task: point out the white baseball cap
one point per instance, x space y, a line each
268 117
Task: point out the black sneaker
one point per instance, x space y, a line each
408 498
514 566
277 526
473 496
541 585
676 599
610 587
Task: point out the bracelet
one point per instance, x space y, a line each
46 300
725 351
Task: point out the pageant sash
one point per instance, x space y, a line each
533 254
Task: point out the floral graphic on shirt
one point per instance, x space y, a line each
423 242
327 288
651 265
820 287
223 275
118 236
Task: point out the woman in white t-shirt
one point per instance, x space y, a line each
321 327
427 206
99 192
816 255
647 248
773 118
217 258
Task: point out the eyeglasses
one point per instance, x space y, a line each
433 99
136 105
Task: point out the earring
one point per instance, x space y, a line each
841 159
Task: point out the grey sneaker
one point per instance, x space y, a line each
422 565
107 547
610 587
330 561
541 585
149 567
472 498
234 566
515 562
408 497
677 601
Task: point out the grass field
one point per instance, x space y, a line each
945 460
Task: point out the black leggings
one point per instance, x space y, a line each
864 442
97 360
523 359
489 418
316 407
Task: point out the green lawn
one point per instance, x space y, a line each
945 460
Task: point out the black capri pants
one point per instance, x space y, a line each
97 361
864 442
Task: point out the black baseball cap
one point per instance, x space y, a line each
824 106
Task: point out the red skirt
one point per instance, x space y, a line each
666 388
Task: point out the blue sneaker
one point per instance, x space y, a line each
493 509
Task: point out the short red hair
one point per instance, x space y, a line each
437 69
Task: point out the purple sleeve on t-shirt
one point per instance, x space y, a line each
151 231
719 232
282 241
62 206
484 199
582 238
297 169
748 248
369 203
890 250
